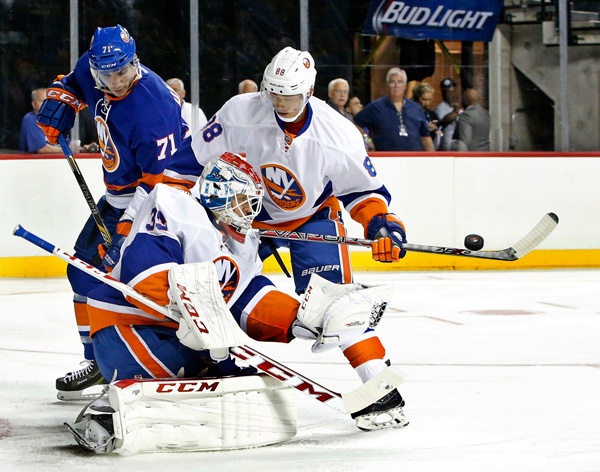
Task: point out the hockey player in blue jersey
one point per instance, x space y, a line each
140 129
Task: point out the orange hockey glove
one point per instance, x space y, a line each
388 235
57 114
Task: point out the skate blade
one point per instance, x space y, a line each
382 420
78 430
87 394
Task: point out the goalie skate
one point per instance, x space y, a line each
384 413
93 429
77 385
94 433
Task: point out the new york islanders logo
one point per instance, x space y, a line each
283 187
110 154
229 276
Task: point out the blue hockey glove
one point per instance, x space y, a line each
57 113
111 256
388 235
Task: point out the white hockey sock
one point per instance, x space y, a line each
370 369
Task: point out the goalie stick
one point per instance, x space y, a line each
349 402
529 242
85 189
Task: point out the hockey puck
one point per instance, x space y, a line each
474 242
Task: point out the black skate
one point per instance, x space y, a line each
384 413
75 385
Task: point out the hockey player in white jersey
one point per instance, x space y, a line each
310 159
133 341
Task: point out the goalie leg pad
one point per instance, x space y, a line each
201 414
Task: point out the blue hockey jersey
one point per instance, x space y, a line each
138 133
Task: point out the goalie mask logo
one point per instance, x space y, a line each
283 187
229 276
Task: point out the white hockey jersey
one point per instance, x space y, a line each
301 173
173 228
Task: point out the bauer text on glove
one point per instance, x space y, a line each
112 255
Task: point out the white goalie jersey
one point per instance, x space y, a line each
173 228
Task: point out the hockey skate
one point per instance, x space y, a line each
384 413
76 385
93 429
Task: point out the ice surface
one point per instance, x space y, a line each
503 375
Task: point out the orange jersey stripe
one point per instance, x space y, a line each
365 211
81 314
149 179
344 256
272 317
181 183
140 351
100 318
364 351
331 202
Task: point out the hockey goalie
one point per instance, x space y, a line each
173 384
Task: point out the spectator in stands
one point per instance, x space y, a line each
337 91
396 123
447 111
247 86
423 95
186 107
32 138
473 125
354 105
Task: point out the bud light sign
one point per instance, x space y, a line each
463 20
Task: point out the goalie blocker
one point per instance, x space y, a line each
187 415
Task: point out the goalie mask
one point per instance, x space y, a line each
291 73
113 62
232 190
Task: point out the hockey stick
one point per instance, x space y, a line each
349 402
87 268
85 189
529 242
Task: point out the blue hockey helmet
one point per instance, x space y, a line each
112 50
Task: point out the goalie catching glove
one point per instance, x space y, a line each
388 235
57 113
334 314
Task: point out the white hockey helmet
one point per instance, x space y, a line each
232 190
290 72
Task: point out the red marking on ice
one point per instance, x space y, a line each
395 310
503 312
4 428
